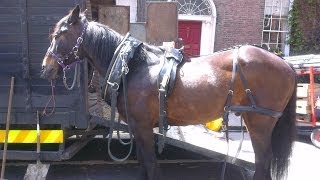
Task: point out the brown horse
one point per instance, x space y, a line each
199 95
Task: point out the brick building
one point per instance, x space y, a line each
212 25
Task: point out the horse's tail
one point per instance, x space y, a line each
283 136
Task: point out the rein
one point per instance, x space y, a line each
116 73
52 98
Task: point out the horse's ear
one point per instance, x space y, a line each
75 15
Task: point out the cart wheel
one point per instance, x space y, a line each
315 137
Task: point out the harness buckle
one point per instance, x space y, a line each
115 86
230 92
75 50
125 67
79 40
60 62
248 91
227 109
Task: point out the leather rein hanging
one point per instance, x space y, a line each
116 74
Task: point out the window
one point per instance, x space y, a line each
275 26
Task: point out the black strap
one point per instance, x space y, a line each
115 74
259 110
246 87
253 108
162 119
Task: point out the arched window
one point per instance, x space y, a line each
191 7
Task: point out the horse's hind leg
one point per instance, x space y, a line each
260 129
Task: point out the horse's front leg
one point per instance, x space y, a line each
146 151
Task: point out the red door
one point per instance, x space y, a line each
190 32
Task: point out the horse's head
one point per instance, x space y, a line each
66 40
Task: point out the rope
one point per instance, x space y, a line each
52 98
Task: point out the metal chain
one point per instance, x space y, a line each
75 77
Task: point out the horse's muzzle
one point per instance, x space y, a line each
48 72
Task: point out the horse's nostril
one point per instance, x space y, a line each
42 68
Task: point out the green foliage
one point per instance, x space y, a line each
305 27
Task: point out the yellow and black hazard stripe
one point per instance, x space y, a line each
30 136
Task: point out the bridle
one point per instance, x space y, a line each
74 51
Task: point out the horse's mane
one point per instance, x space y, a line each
101 41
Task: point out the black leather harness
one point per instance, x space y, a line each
116 73
166 79
118 69
239 109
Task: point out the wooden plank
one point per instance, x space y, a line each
39 38
303 90
10 18
116 17
303 102
5 79
303 109
39 48
13 69
14 48
10 58
44 20
162 22
9 28
36 58
10 38
18 99
42 29
52 3
9 10
9 3
49 10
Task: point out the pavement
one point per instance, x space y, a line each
303 162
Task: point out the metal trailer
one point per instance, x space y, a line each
308 65
24 28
